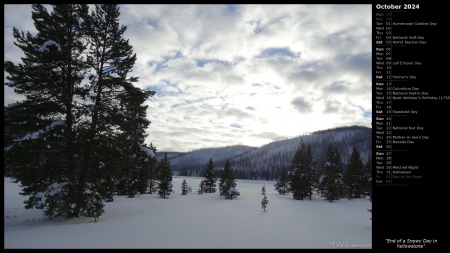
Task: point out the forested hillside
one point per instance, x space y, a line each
267 161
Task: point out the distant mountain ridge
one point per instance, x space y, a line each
267 161
199 158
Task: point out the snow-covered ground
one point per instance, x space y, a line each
195 221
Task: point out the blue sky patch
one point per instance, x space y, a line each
231 7
234 125
202 62
278 51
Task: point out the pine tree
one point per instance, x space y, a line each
227 184
263 190
201 187
232 193
300 173
367 184
315 175
354 175
153 175
210 177
89 116
140 177
94 202
50 77
184 187
311 170
282 184
146 163
264 202
18 119
331 183
165 177
116 115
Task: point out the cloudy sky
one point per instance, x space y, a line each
241 74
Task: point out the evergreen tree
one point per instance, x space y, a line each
315 175
300 174
146 163
210 177
18 119
311 170
367 184
115 111
50 77
139 176
263 190
94 201
227 184
282 184
153 175
89 119
232 193
201 186
331 183
264 202
354 175
165 177
184 187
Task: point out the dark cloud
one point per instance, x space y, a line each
302 105
235 113
332 107
337 87
310 71
359 64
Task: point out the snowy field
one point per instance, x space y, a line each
195 221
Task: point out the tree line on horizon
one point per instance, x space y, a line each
306 176
330 177
267 162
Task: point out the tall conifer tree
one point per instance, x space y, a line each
332 179
165 177
300 173
367 186
88 116
50 78
282 185
354 175
184 187
116 113
210 177
227 184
